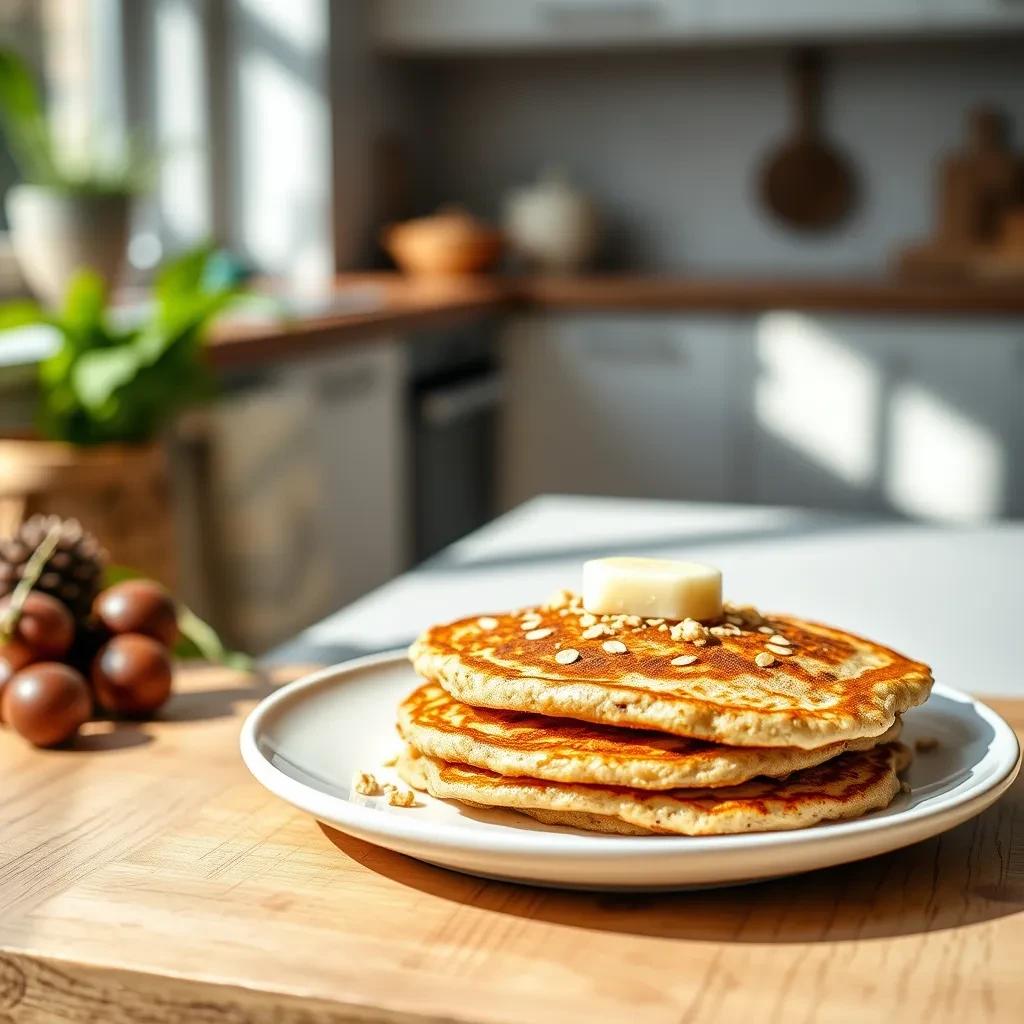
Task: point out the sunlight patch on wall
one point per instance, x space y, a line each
941 464
818 395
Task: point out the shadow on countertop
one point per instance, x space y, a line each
971 874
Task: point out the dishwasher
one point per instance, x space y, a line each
455 402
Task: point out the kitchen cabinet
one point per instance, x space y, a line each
615 404
918 416
18 399
906 415
303 503
467 25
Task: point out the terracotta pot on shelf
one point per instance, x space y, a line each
121 493
450 243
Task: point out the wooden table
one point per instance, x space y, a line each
144 876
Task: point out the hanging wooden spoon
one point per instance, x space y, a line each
807 183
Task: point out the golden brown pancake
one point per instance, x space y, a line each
833 686
565 750
844 787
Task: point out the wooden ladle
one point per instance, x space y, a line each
807 183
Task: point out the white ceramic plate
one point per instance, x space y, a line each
306 741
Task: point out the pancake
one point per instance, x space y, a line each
565 750
833 687
844 787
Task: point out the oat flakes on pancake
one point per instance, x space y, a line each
733 685
845 787
566 750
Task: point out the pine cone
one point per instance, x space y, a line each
74 572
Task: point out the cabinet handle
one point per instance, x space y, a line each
346 384
459 402
600 14
637 354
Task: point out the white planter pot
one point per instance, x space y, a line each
56 233
552 226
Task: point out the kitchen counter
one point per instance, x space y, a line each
146 874
364 305
360 306
775 557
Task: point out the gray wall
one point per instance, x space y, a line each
670 143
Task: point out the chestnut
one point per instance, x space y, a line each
47 703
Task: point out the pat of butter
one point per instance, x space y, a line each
652 588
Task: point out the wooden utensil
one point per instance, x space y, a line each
807 183
979 209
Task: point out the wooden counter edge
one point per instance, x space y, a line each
241 345
757 294
40 990
407 306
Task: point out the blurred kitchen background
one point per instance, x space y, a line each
719 250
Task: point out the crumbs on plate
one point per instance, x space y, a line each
366 784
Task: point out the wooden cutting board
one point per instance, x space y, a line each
146 877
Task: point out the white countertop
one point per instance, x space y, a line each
951 596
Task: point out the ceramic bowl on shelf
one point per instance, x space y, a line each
447 244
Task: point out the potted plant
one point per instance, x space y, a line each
107 393
68 212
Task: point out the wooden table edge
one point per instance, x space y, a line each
74 991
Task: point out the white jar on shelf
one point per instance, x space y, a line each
551 225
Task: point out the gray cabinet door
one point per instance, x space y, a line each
916 416
622 405
304 500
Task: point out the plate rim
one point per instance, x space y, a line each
443 836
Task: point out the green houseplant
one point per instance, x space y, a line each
107 392
70 210
114 382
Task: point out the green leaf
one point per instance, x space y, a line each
19 94
98 171
84 303
118 574
23 313
24 120
106 383
201 638
181 277
98 374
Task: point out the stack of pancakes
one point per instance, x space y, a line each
615 723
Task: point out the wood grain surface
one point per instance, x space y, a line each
144 876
